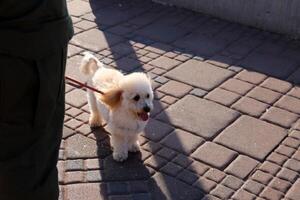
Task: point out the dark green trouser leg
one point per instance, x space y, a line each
31 119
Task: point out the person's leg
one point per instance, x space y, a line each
31 119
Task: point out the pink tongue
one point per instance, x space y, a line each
144 116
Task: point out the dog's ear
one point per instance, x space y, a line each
112 98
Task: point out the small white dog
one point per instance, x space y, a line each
125 104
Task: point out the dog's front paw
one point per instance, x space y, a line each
95 121
134 147
120 156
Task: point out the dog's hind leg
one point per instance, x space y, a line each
95 119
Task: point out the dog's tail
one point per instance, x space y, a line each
89 64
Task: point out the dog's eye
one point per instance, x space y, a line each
136 98
147 96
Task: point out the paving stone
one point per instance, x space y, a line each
270 168
251 77
169 99
271 194
127 64
83 117
72 69
87 191
138 186
294 78
117 188
262 177
175 89
291 142
152 147
161 184
76 98
73 165
95 40
202 45
242 166
293 165
78 146
269 64
235 68
250 106
94 176
294 192
222 192
277 85
277 158
221 61
94 164
156 130
152 55
164 62
264 95
159 48
73 50
281 117
248 135
287 174
198 168
210 197
73 123
214 155
182 160
162 32
141 196
295 134
84 24
243 194
205 185
171 54
67 132
222 96
119 197
204 76
232 182
182 58
280 184
198 92
182 141
144 154
156 162
161 79
73 177
215 175
158 107
195 115
78 8
237 86
289 103
295 92
167 153
171 169
253 187
285 150
187 176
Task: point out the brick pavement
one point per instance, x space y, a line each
226 120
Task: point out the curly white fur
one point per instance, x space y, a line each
125 106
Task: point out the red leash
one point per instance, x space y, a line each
83 84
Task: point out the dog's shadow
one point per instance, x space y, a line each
118 176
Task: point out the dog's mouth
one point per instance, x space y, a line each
144 116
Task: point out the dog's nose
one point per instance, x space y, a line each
146 109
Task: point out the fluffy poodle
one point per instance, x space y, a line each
124 106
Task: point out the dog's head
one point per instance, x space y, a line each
134 94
